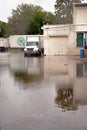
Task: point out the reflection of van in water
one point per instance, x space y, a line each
33 46
32 72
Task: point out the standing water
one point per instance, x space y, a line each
42 93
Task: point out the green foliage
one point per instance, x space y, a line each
64 10
37 21
49 18
28 19
4 31
20 19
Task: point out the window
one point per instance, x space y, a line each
32 44
80 39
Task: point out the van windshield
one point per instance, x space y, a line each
32 44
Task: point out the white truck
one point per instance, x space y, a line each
33 46
4 45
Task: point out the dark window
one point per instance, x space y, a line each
79 39
32 44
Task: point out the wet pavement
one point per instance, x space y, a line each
43 93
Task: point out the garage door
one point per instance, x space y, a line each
57 45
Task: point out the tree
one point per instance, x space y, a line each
28 19
4 31
64 10
21 19
37 21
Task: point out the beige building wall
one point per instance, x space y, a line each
62 39
80 17
80 13
56 39
79 24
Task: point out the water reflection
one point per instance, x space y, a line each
65 100
61 72
57 81
26 77
70 98
81 69
27 70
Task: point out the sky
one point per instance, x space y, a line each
6 6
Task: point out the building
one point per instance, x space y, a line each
67 39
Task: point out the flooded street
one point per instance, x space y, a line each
43 93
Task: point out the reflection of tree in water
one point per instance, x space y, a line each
64 99
25 77
27 80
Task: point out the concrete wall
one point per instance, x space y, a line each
60 40
79 24
56 39
79 14
80 17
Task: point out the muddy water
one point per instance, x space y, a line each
47 93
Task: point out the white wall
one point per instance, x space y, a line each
79 16
79 25
56 39
19 41
60 40
4 42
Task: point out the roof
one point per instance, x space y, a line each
80 4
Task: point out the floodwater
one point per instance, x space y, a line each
43 93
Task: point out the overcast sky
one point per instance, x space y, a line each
6 6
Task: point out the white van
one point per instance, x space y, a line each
33 46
